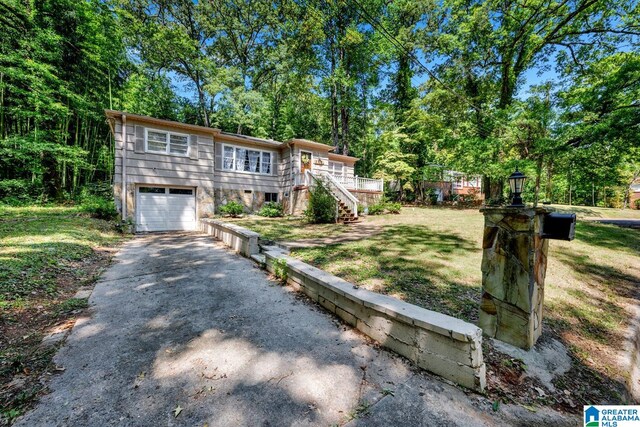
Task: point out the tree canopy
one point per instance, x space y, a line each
477 86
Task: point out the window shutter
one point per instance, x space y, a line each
274 163
218 155
139 143
193 147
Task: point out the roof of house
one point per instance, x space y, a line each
228 135
153 120
312 144
250 139
342 157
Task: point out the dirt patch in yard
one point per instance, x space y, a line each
50 259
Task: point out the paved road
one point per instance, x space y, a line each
627 223
179 321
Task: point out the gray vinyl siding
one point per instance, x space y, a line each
285 169
322 155
164 169
235 180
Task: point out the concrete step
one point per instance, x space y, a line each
259 258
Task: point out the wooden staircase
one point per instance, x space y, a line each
345 215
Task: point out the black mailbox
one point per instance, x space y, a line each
559 226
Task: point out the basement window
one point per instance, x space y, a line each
271 197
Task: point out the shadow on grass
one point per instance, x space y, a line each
600 317
411 260
609 236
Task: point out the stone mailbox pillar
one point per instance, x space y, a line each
514 263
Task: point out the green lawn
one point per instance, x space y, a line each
431 257
289 228
46 254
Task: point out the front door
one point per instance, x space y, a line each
305 161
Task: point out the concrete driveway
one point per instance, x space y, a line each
180 322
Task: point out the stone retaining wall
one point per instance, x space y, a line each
441 344
241 240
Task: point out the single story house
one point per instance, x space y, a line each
169 174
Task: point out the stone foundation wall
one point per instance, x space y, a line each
300 201
251 201
367 198
514 264
441 344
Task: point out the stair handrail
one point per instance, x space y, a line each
350 201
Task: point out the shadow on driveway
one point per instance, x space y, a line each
180 322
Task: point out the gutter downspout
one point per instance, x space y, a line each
124 168
290 179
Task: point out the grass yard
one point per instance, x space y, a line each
289 228
46 255
431 257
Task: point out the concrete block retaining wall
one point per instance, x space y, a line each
441 344
239 239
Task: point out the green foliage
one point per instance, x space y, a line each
99 207
376 209
393 207
232 209
322 205
385 207
19 192
271 210
280 269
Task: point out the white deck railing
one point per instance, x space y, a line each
358 183
342 193
349 182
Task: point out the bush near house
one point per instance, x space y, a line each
271 210
232 209
322 205
384 206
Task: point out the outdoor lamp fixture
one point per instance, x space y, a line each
516 183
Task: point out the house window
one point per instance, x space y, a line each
246 160
336 168
271 197
458 182
167 142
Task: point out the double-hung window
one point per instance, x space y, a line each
246 160
336 168
167 142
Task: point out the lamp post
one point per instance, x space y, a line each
516 183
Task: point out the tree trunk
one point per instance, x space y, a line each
538 175
344 116
549 191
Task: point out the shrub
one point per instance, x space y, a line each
637 203
393 207
376 209
322 205
271 210
99 207
280 269
232 209
18 192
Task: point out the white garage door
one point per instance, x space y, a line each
166 208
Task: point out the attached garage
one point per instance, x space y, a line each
165 208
